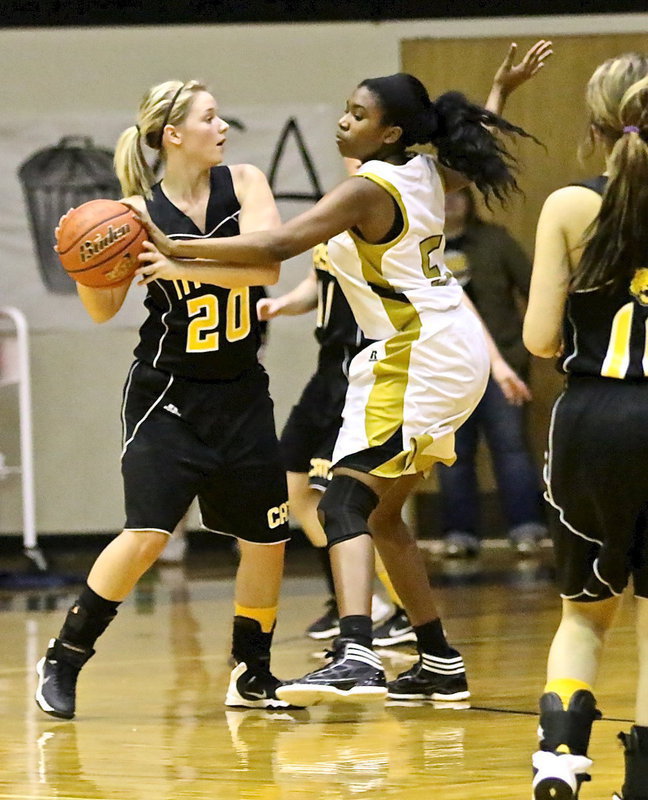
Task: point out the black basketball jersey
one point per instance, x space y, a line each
197 330
605 329
336 326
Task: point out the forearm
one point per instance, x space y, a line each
496 100
261 247
300 300
229 276
102 304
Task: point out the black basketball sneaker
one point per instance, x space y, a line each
395 630
354 675
432 678
57 678
253 688
328 625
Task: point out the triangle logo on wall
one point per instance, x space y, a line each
292 174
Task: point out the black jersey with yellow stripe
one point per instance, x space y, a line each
198 330
606 329
336 326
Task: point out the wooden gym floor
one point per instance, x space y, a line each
151 723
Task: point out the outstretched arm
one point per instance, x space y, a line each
350 204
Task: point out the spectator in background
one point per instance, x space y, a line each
495 273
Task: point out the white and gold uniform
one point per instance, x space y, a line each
427 369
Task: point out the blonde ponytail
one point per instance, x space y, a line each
133 171
617 241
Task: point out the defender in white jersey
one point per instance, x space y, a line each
428 366
409 391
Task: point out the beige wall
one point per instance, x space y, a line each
77 377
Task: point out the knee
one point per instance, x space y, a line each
595 617
147 545
387 523
345 508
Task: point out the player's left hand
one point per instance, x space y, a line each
509 75
513 387
157 266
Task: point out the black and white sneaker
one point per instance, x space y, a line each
57 678
432 678
396 630
328 625
355 675
253 688
558 776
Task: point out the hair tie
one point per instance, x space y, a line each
167 115
631 129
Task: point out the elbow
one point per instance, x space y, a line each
539 347
272 274
100 316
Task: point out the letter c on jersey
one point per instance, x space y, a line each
277 515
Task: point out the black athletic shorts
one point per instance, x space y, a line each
212 440
597 482
312 427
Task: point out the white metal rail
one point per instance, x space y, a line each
14 370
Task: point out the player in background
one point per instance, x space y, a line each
589 303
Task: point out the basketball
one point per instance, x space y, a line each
98 243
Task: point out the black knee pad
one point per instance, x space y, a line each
345 508
571 728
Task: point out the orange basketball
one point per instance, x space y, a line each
98 243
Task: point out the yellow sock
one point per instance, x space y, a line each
266 617
565 688
384 578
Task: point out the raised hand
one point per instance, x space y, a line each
510 76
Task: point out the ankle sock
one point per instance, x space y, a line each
357 627
431 639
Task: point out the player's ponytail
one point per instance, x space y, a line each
134 173
617 241
165 104
462 132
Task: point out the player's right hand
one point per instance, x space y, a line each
267 308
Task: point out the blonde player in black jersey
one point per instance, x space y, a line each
589 302
197 417
418 381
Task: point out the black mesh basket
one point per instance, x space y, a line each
54 181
